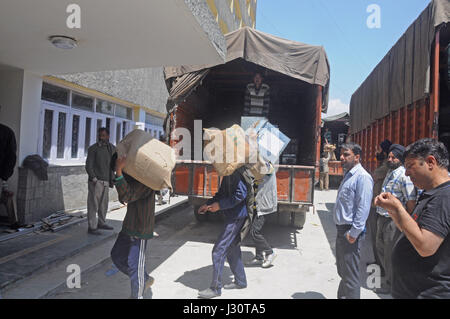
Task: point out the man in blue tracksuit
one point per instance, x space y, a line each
231 200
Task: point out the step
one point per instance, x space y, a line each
47 279
49 282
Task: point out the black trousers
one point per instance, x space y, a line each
348 261
372 234
387 235
261 244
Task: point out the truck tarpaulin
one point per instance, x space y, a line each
298 60
403 75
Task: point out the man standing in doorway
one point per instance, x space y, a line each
257 98
350 214
98 167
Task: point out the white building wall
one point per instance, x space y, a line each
11 86
31 109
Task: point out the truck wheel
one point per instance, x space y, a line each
199 217
299 219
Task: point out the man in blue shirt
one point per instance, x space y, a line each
350 214
231 200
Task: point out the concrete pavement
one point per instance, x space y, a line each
180 261
34 265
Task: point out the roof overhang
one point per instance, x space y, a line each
114 34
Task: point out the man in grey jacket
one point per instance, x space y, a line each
98 167
266 203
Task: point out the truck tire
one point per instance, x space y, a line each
199 217
299 219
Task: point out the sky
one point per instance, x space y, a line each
340 26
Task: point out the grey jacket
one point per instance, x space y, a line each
98 162
266 195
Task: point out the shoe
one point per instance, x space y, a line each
105 226
233 285
150 281
269 260
208 294
255 262
94 232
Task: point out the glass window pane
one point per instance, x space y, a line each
105 107
153 120
87 136
123 112
47 140
99 125
124 129
118 131
108 124
148 118
75 131
61 135
82 102
55 94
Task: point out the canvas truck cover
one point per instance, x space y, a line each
301 61
403 75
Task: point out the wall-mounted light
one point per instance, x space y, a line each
63 42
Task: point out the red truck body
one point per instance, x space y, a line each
215 95
423 115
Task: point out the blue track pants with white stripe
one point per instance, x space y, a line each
128 254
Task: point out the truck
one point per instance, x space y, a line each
298 77
338 125
407 95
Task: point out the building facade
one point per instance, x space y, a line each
73 106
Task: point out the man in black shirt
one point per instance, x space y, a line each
421 255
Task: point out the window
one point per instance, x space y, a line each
82 102
69 122
87 135
47 139
124 112
75 131
61 135
55 94
99 125
118 131
108 124
124 129
153 120
105 107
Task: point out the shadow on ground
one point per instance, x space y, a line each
308 295
200 279
367 257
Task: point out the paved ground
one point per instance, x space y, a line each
180 261
26 261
